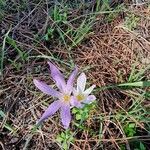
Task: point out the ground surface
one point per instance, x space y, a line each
109 42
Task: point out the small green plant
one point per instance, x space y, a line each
113 14
2 8
135 116
130 129
59 18
79 34
64 139
136 74
82 114
59 15
105 5
23 55
16 65
49 35
6 125
131 21
141 146
65 30
137 145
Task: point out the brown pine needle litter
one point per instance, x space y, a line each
111 47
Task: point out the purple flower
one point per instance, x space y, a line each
63 95
81 96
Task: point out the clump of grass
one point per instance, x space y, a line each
73 30
135 119
64 30
131 21
2 6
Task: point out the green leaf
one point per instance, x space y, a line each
142 147
74 110
65 146
63 135
132 125
78 117
46 37
59 139
9 127
137 84
2 114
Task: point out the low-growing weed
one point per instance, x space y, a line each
64 139
130 129
23 55
6 125
131 21
82 114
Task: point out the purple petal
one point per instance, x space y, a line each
75 102
50 111
89 99
57 76
65 115
46 88
81 82
71 80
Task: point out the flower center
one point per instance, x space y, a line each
66 98
80 97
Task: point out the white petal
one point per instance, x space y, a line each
89 90
75 92
81 82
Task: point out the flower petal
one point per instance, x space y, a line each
89 90
74 91
75 102
71 80
81 82
89 99
46 88
65 115
57 76
50 111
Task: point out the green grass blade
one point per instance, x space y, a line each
3 52
136 84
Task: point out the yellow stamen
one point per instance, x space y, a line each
66 98
80 97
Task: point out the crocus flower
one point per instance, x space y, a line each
82 96
63 95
